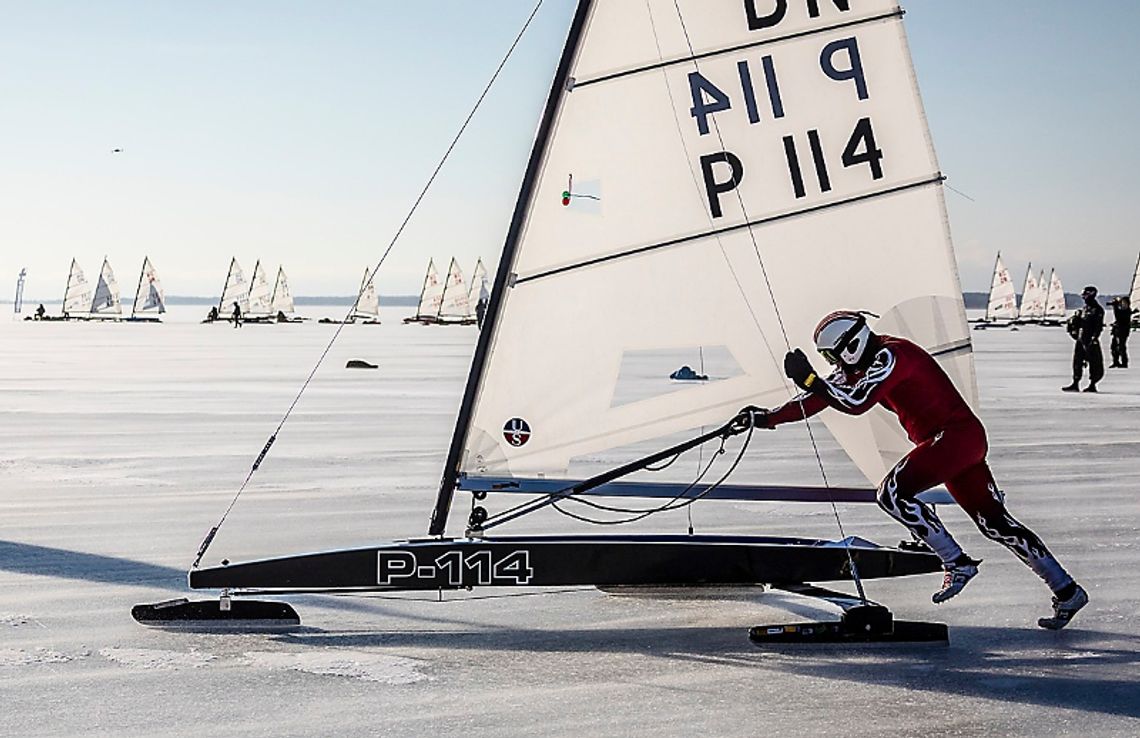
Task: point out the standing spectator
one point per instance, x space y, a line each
1085 327
1121 327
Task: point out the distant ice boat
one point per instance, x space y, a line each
77 294
260 308
281 303
454 308
105 305
431 298
1054 302
1032 308
477 288
367 310
235 290
1002 303
150 301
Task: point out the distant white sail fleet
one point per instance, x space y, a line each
79 303
1042 300
451 301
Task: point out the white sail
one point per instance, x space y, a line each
106 299
1002 304
431 296
1134 293
149 297
282 301
368 302
775 171
1032 299
477 287
260 292
235 290
453 303
77 294
1055 300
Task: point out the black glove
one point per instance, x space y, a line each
798 369
751 416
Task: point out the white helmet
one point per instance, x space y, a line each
843 336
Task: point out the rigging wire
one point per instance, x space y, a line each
783 329
205 545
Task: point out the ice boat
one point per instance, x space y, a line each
744 157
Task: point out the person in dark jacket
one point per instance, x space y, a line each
237 315
1121 327
1085 327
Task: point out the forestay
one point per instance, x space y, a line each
1002 304
106 299
235 290
77 293
785 164
260 292
149 297
282 301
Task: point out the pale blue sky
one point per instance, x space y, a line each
300 132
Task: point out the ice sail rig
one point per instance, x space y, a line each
1002 302
282 299
1134 292
235 290
431 297
760 168
477 288
454 307
77 293
105 304
1032 306
1054 301
260 294
367 308
150 301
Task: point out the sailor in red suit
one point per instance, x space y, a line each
950 448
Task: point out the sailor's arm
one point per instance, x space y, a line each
851 399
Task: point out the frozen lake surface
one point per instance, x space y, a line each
122 444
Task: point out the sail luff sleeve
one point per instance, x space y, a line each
506 262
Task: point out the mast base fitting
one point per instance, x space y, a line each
870 623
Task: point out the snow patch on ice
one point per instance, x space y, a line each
353 664
148 658
21 657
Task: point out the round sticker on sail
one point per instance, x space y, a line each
516 431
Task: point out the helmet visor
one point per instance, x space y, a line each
829 354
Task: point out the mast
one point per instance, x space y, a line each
423 288
226 286
1134 289
503 275
1045 309
67 289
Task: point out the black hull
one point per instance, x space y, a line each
431 564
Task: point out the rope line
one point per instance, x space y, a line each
783 329
399 231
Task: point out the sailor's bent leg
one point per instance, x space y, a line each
897 496
977 492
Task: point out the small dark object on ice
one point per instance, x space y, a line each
360 364
686 373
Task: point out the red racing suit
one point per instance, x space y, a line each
950 448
